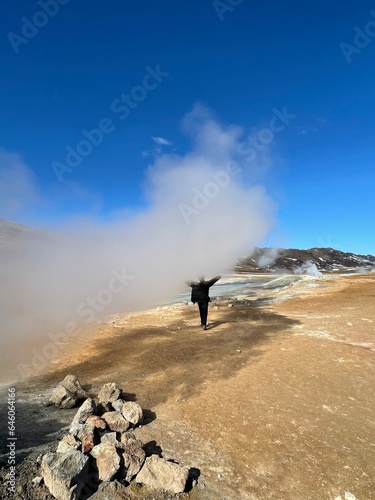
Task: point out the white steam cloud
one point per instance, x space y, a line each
269 256
18 186
201 218
308 268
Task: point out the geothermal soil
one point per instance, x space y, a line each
276 400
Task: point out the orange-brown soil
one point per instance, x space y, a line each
273 401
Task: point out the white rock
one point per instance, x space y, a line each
117 405
132 412
37 481
109 392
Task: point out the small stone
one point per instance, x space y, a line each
158 473
107 460
132 412
115 421
37 481
349 324
230 305
117 405
349 496
109 392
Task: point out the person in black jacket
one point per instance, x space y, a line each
199 293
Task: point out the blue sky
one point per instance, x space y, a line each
242 60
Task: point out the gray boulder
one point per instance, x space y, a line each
73 385
65 474
67 393
107 460
109 392
159 474
132 412
62 398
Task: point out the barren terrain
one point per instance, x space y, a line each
274 401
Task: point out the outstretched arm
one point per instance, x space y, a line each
214 280
190 283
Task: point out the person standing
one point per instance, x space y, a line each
199 294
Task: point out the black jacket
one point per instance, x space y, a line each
199 289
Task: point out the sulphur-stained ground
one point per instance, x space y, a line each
276 400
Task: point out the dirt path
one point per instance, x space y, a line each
272 402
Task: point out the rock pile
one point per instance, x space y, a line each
101 448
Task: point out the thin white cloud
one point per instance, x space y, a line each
161 141
19 192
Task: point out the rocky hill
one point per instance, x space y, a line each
322 259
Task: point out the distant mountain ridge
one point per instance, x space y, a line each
325 259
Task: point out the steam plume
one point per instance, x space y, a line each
201 218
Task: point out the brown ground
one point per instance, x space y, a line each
274 401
